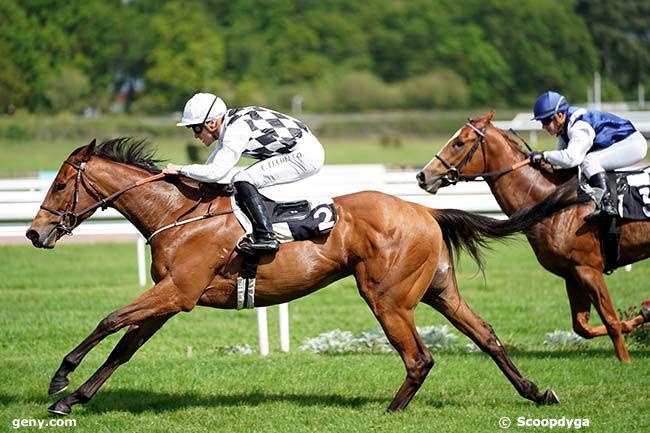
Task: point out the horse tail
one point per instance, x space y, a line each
467 231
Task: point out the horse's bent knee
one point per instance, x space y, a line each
418 371
582 330
107 324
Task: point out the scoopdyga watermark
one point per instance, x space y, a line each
548 423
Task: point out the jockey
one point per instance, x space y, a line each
285 148
594 140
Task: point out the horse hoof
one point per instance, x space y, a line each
57 385
550 397
645 311
60 408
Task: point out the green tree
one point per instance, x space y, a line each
26 63
544 44
621 32
13 88
189 54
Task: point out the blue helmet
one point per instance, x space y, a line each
548 104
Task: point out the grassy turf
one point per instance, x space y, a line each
52 299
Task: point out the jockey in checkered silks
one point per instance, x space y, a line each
285 148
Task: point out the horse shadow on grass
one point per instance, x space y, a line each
139 401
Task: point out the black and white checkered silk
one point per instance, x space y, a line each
272 133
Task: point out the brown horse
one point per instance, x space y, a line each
564 243
400 254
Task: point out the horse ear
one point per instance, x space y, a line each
489 116
85 152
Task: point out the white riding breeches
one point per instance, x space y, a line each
622 154
306 159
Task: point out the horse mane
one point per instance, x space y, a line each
138 153
131 151
557 177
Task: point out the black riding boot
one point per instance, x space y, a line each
606 207
252 203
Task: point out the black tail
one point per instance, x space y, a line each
469 231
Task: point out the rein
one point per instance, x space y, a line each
453 174
69 212
72 216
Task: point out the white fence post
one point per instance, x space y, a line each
284 326
142 275
262 330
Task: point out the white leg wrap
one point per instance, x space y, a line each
245 293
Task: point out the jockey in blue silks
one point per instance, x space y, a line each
594 140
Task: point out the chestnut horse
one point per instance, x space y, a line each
400 254
564 243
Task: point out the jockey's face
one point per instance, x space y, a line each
556 125
210 132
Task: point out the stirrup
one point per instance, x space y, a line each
247 245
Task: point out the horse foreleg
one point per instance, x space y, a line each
400 330
455 309
593 283
161 299
134 338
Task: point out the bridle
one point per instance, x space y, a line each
69 219
453 174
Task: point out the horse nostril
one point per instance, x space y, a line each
420 177
32 235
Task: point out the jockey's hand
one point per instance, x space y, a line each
172 169
536 158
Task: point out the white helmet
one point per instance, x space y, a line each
202 107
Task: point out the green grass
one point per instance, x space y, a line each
53 299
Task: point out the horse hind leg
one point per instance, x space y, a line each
134 338
593 284
450 303
581 304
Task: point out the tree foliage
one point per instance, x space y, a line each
339 55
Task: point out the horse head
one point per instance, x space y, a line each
69 193
463 157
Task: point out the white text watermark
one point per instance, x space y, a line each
42 423
549 423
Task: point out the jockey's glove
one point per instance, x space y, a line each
536 158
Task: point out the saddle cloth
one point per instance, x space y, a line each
632 193
293 220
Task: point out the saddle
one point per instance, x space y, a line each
630 192
292 221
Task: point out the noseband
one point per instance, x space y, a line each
69 219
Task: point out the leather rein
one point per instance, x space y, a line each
73 217
453 174
69 217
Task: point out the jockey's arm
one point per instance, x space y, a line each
222 159
581 138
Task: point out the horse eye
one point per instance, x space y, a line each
61 186
459 143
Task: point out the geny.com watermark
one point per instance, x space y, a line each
40 423
550 423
